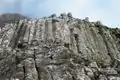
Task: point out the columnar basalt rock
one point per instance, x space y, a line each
59 48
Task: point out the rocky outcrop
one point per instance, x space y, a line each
59 48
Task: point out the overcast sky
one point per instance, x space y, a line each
107 11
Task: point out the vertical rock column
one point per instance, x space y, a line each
8 35
73 37
16 35
46 30
32 29
38 30
49 33
27 32
66 35
30 69
56 31
41 25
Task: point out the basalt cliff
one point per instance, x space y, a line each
59 48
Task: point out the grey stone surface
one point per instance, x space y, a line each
59 48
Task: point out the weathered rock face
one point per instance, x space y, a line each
59 48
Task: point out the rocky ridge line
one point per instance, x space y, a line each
59 48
